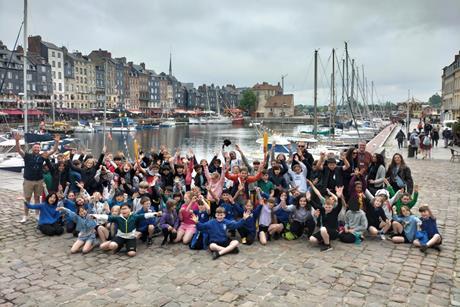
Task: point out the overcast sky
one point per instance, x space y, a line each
402 44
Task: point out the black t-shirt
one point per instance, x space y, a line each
33 167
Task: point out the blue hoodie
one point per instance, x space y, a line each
250 222
429 225
217 231
143 224
231 210
48 213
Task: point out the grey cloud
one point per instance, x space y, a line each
402 44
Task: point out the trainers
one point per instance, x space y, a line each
326 248
236 250
24 219
382 237
244 241
215 255
149 241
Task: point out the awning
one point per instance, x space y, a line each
34 112
12 112
135 111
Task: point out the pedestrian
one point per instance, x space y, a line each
434 137
425 144
400 136
446 135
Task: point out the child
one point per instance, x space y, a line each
187 226
268 225
405 200
146 227
217 232
430 228
248 230
265 185
405 226
378 223
126 233
49 221
327 218
169 222
200 239
355 224
302 218
299 175
85 227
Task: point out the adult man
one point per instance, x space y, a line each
33 171
305 156
446 135
364 157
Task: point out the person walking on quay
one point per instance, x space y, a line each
33 171
400 136
446 135
414 142
434 137
425 145
399 174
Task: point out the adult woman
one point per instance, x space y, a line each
376 173
399 174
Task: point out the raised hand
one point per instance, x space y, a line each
339 191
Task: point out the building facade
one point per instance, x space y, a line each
450 108
279 106
55 57
263 92
39 82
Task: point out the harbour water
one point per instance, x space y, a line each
203 139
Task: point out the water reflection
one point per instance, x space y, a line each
204 140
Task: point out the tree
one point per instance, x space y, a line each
435 101
248 101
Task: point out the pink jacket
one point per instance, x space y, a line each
216 187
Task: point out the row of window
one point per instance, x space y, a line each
53 54
33 87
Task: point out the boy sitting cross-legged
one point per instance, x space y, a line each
220 244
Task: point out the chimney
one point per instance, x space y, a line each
143 65
19 49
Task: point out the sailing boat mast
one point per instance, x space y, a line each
24 98
105 101
346 67
315 97
333 93
217 102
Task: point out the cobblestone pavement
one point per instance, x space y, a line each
36 270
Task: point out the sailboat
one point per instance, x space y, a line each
217 119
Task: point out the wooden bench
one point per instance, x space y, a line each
455 154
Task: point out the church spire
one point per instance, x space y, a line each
170 64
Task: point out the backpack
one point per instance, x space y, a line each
199 241
427 141
412 140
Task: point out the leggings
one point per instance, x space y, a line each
347 237
55 229
166 233
298 228
244 233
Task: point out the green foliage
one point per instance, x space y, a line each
435 101
248 101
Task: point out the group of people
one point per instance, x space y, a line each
224 202
423 138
